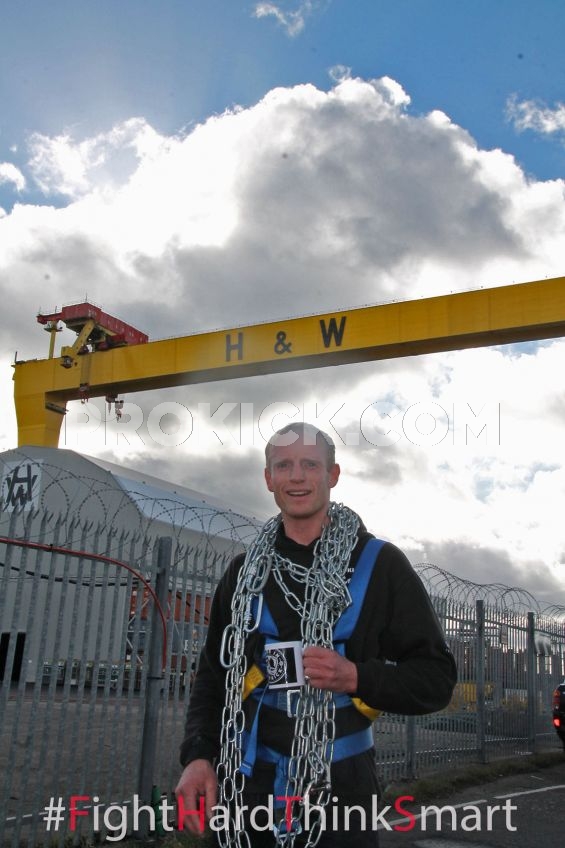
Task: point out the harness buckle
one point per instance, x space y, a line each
292 694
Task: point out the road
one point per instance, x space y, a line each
526 810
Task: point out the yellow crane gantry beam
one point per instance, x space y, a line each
514 313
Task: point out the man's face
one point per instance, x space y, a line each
300 480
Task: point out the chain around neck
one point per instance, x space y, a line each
326 596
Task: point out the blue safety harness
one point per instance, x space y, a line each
345 746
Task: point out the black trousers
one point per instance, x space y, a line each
348 815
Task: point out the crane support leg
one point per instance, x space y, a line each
39 420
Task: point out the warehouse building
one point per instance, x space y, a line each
61 613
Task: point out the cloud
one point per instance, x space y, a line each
323 186
340 73
293 21
61 165
11 175
312 201
533 115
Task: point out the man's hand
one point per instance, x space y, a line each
198 779
327 669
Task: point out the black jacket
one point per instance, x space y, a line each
403 663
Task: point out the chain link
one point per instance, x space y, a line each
325 597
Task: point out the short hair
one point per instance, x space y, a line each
310 435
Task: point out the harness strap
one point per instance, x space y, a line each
267 623
344 626
278 698
250 743
343 747
357 586
252 680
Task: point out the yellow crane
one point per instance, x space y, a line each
110 357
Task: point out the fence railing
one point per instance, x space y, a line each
94 682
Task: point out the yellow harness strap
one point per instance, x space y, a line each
255 676
252 680
369 712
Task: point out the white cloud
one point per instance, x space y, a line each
61 165
307 202
10 174
293 20
533 115
340 73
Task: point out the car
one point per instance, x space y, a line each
558 712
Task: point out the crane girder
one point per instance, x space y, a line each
482 317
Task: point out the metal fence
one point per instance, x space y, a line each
95 681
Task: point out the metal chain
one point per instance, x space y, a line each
325 597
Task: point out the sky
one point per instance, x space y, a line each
190 166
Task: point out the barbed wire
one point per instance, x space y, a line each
129 507
497 596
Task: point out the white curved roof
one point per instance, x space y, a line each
94 490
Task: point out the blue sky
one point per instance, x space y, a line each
194 165
82 67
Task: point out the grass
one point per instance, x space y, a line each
443 785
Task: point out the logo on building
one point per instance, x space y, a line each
20 487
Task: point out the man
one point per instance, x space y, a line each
312 633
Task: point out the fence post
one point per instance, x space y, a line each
480 683
531 686
154 686
410 747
